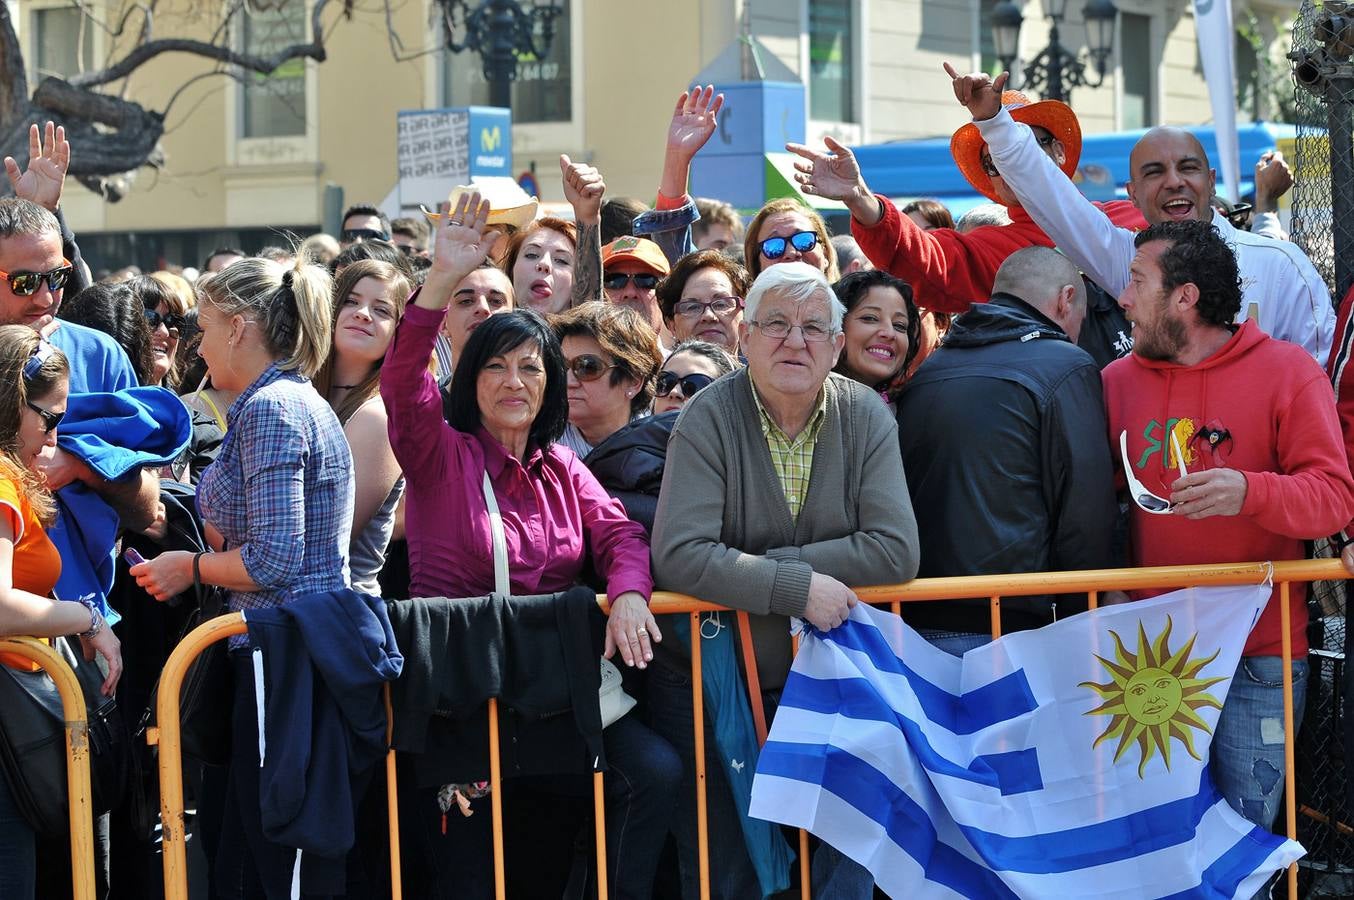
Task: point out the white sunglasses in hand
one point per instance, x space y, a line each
1146 500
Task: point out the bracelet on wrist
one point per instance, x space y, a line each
96 622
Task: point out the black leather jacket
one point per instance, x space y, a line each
1005 447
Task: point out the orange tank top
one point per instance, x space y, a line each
36 563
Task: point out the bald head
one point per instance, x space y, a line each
1170 180
1048 281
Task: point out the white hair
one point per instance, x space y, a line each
798 281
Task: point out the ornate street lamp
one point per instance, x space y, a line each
499 31
1056 70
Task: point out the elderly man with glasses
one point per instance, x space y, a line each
784 485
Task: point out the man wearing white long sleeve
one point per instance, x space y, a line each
1171 180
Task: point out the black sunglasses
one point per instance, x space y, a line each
49 419
26 284
690 383
172 321
352 235
1043 140
802 241
643 280
587 367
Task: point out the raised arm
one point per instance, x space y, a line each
693 122
584 188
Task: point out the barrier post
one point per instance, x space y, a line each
392 800
1289 776
698 716
173 841
79 800
496 800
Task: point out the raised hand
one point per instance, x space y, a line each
836 176
694 120
460 245
583 188
978 92
49 156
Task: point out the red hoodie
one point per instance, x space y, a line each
948 270
1258 405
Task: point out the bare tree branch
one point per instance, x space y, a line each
147 51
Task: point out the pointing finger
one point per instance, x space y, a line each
949 70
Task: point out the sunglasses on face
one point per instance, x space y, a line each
49 419
1045 141
615 281
694 309
353 235
1146 500
26 284
587 367
802 241
172 321
689 384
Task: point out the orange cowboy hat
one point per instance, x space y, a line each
1054 116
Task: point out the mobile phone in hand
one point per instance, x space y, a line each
133 558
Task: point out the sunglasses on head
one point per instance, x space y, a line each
49 419
26 284
690 384
352 235
1145 499
587 367
172 321
41 353
802 241
645 281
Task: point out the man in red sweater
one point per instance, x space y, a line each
1251 422
948 270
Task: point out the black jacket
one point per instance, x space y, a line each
538 655
1007 458
629 464
1106 333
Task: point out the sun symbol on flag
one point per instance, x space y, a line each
1153 697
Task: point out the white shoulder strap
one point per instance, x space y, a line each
501 583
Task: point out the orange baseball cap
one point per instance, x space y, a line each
1053 116
641 250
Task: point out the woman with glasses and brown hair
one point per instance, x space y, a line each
611 355
785 230
29 562
508 406
702 299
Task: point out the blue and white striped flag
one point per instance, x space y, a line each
1071 761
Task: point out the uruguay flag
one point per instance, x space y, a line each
1071 761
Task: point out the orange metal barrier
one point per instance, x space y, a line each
78 794
1092 582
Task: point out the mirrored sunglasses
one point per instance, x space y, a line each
352 235
802 241
26 284
1145 499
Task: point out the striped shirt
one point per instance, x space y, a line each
792 457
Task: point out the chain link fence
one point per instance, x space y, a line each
1323 225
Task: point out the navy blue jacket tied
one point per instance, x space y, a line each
117 434
324 658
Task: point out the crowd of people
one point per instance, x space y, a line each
484 404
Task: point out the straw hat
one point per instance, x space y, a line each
1053 116
508 203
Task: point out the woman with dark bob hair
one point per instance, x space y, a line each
611 356
881 328
115 310
702 299
508 405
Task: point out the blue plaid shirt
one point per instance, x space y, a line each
281 490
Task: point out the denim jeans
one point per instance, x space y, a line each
1247 750
732 877
18 851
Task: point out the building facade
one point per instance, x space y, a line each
249 160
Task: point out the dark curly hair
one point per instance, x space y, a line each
1198 255
118 312
851 289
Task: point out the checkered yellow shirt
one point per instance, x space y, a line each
792 458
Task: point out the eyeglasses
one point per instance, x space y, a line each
1146 500
779 330
37 359
802 241
49 419
172 321
353 235
690 384
26 284
615 281
1045 141
587 367
409 249
720 306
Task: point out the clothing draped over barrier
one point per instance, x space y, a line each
1001 767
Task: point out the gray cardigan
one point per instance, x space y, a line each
723 531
